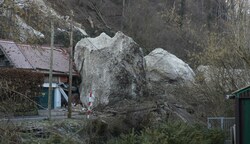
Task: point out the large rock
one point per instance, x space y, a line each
113 68
164 69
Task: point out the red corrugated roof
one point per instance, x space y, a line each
15 56
35 57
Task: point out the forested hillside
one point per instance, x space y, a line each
179 26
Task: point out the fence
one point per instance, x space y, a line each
223 123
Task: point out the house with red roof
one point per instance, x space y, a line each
37 58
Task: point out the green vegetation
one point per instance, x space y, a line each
172 133
78 132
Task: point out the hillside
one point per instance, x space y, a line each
95 16
176 26
173 25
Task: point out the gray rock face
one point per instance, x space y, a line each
164 69
113 68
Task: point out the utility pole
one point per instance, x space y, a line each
70 67
51 67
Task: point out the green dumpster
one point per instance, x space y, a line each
42 100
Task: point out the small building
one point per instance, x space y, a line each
37 58
242 114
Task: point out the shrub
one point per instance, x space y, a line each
18 89
9 133
172 133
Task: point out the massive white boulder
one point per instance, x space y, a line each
112 68
164 68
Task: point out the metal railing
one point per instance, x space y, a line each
223 123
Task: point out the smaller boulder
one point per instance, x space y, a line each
164 69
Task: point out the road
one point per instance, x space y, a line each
43 115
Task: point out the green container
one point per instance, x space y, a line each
43 99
